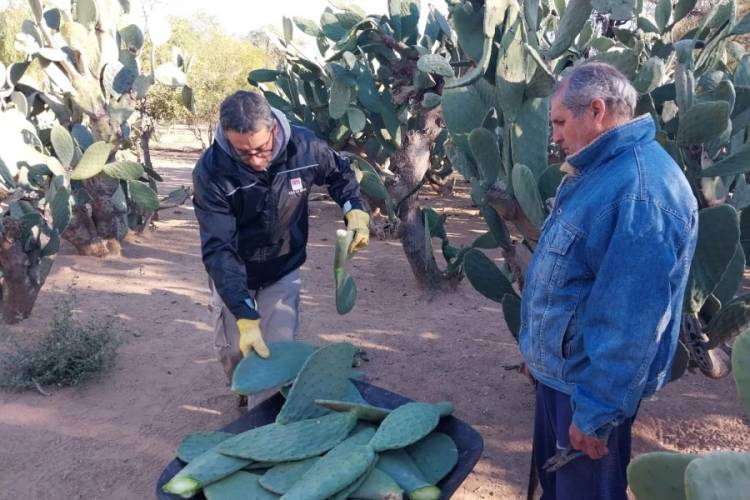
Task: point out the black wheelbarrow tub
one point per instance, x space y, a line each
468 440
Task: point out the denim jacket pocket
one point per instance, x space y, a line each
547 351
567 339
554 259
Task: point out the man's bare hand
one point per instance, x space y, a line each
594 448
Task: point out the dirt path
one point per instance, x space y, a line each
111 438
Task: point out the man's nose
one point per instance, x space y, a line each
557 137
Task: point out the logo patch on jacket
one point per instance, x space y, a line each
297 186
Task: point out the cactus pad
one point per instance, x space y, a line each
577 12
323 376
362 411
335 471
346 289
282 477
741 368
202 470
405 425
444 408
435 456
527 193
728 323
718 235
402 469
703 122
197 443
658 475
723 475
294 441
255 374
238 486
347 492
484 148
485 276
378 486
353 395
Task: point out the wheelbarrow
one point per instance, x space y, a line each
468 441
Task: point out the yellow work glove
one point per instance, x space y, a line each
359 222
251 339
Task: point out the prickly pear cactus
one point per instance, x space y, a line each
365 412
323 376
203 470
336 470
378 486
435 455
346 289
239 485
405 425
723 475
280 478
255 374
293 441
577 12
91 56
401 468
741 368
197 443
349 490
36 206
444 408
352 394
659 475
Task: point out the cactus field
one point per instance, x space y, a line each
442 111
111 438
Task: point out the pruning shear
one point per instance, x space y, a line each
561 459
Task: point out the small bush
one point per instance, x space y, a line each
68 354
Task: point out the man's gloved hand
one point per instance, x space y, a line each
359 222
251 339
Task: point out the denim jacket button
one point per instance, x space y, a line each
559 211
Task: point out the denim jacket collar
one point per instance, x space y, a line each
612 141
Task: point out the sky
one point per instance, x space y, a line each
241 17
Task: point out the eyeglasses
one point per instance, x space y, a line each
263 151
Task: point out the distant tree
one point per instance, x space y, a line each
11 20
212 78
260 39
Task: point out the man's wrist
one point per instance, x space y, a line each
350 205
250 309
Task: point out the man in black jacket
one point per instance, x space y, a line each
250 196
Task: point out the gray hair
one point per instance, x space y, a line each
597 80
245 111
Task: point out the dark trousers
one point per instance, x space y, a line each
582 478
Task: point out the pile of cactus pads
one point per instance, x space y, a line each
326 442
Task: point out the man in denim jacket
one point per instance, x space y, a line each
603 296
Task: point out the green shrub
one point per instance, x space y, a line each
69 353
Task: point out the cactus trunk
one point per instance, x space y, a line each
19 289
412 162
81 233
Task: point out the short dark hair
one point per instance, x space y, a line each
245 111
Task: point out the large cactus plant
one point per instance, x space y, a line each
488 75
90 55
35 204
370 92
702 110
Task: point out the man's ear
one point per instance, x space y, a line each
599 109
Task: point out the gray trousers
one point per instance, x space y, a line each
278 305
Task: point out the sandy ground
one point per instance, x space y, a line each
110 438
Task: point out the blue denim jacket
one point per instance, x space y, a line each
603 296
